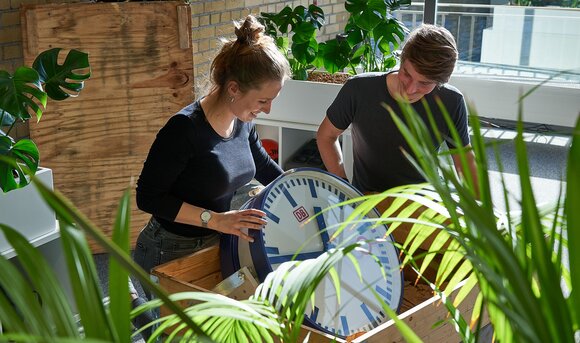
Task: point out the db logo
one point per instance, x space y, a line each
301 214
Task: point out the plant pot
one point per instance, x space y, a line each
24 210
303 102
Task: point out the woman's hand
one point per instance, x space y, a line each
232 222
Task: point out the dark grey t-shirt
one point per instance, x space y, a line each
378 162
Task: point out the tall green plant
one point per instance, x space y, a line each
274 312
303 23
24 95
517 260
372 35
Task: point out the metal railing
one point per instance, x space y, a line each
467 23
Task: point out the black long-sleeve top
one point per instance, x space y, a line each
189 162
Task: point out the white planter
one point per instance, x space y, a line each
24 210
303 102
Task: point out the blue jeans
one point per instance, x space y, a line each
156 246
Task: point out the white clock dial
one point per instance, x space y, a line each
289 202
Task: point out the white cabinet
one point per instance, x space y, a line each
295 116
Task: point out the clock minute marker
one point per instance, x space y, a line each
272 216
289 197
297 257
368 314
314 314
344 322
384 292
322 228
313 192
272 250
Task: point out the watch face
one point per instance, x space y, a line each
289 202
205 216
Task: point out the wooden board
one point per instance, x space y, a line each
142 73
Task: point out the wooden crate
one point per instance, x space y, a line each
201 271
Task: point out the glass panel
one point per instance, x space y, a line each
511 41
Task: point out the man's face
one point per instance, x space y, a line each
412 85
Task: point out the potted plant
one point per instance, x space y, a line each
369 42
24 95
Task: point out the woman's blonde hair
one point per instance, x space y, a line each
250 60
432 51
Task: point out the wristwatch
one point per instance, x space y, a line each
205 216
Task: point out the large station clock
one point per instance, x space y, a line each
289 201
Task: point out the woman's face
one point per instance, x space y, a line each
412 85
246 106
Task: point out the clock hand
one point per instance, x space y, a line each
322 228
297 257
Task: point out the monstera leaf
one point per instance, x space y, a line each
366 14
21 94
55 76
24 95
23 153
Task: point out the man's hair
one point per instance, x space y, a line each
432 51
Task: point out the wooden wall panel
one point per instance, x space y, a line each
142 73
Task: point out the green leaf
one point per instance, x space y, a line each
55 76
21 93
305 53
390 34
55 317
118 276
573 221
17 161
366 14
334 55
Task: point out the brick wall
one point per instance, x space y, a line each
213 19
11 44
210 20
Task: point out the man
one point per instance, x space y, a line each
427 61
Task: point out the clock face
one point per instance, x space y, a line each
289 202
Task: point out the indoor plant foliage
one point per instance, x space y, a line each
274 312
303 23
372 35
24 95
518 259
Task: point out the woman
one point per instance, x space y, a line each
208 150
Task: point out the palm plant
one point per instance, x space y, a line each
517 260
276 311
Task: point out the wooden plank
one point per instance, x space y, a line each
184 25
192 267
96 143
421 319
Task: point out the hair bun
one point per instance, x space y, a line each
248 31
